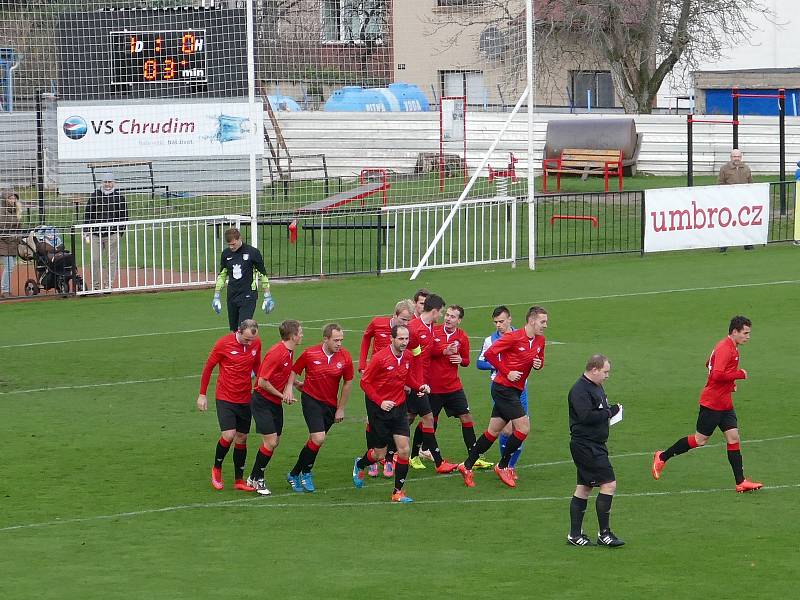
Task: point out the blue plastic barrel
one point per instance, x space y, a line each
283 103
397 97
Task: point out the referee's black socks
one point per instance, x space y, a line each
577 508
603 507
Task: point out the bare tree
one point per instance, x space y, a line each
640 41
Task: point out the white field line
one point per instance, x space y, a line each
521 303
253 501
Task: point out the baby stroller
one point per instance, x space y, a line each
55 266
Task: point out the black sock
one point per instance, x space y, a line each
430 444
305 461
468 433
577 507
239 458
603 506
482 444
366 460
512 445
679 447
390 451
416 443
222 451
735 458
261 462
400 473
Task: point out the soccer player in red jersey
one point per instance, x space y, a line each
327 365
389 372
419 302
379 334
513 356
449 351
272 388
237 355
716 405
421 341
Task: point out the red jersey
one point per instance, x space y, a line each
323 373
443 374
515 351
387 375
723 371
275 368
420 339
237 363
379 331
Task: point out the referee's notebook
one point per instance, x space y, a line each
616 418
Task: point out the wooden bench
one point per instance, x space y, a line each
584 162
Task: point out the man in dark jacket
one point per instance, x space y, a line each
589 419
108 208
10 223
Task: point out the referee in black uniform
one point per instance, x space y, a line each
589 414
238 265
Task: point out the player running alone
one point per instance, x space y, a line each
238 355
273 388
389 372
513 356
239 266
327 365
716 406
379 335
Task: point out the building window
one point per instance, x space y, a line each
464 83
458 2
596 84
353 21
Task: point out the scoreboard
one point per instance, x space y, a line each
132 54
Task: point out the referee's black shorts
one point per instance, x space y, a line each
709 419
233 415
384 425
454 403
318 415
267 415
591 461
507 403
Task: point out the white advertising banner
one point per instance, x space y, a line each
706 217
122 131
452 119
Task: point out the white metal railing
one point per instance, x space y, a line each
483 231
152 253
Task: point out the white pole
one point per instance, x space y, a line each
529 39
467 189
251 99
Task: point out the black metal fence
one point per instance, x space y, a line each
353 241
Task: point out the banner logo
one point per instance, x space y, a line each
75 127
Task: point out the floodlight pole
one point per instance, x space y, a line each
529 40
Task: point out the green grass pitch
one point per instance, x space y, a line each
105 491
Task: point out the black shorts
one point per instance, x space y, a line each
507 404
241 308
709 419
454 403
384 425
418 405
267 415
591 460
318 415
232 415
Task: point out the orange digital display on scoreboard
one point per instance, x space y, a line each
158 56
